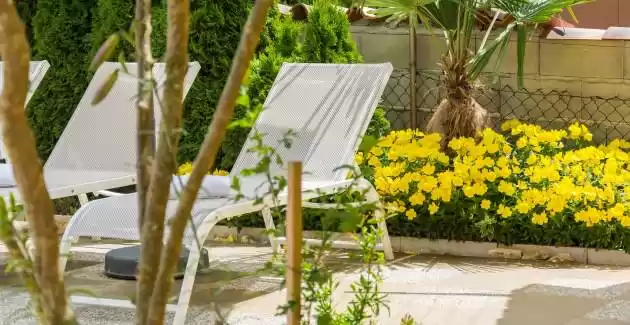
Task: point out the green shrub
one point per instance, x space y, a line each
26 11
61 36
325 38
111 16
527 185
268 34
215 33
158 34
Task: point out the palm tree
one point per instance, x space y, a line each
459 114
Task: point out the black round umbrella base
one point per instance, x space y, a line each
122 263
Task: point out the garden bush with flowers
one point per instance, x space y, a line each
520 185
524 184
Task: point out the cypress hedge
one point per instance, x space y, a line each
215 33
26 11
61 31
111 16
68 33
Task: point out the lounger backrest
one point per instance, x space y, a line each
102 137
328 106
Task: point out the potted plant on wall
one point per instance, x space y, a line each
459 114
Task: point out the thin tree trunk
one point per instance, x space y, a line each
165 164
205 158
20 145
145 149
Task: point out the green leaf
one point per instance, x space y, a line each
105 52
236 184
105 88
122 61
367 143
348 221
497 47
243 98
572 14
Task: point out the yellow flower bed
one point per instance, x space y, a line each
525 171
186 169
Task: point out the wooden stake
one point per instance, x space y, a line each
294 242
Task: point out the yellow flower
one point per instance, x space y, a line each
428 183
506 188
184 169
523 207
433 208
480 188
510 124
617 211
504 211
417 198
539 219
470 191
219 172
428 169
485 204
531 159
493 148
374 161
358 158
411 214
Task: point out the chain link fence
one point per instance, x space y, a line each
607 118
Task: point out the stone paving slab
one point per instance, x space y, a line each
433 289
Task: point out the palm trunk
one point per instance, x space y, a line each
459 114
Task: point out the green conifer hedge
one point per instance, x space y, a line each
61 31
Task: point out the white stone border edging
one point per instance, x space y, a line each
412 245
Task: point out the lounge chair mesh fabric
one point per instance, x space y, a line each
97 149
328 106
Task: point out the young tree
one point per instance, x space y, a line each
44 280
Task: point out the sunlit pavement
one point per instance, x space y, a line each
433 290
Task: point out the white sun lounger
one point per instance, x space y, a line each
90 155
328 106
36 72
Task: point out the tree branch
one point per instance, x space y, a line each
20 145
207 154
165 162
145 153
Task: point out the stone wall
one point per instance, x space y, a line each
565 80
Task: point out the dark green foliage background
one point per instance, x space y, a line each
26 10
215 33
67 34
61 31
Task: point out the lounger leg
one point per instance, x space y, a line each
269 225
187 286
83 199
64 251
379 214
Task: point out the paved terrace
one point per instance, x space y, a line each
434 290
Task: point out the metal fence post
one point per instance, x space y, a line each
412 77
